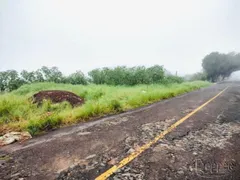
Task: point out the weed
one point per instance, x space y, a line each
17 112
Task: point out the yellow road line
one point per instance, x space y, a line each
136 153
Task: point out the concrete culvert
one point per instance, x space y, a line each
58 96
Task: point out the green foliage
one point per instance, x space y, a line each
220 66
76 78
18 113
115 105
155 74
47 123
11 80
52 74
28 77
199 76
122 75
172 79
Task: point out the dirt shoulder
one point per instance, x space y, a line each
85 150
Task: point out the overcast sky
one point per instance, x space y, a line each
86 34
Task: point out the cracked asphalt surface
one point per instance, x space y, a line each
205 146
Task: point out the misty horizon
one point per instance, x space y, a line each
76 35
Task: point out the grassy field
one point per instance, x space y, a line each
17 113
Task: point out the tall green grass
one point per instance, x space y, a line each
18 113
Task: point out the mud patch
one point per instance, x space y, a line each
57 96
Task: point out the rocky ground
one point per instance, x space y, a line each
204 146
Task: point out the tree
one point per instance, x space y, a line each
97 76
52 74
76 78
28 77
199 76
220 66
10 80
156 73
2 81
39 76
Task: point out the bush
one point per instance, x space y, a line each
47 123
172 79
116 106
122 75
200 76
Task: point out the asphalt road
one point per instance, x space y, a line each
204 146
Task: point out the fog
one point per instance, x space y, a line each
235 76
85 35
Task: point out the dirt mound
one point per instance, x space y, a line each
57 96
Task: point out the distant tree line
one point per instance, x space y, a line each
121 75
216 67
11 79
